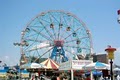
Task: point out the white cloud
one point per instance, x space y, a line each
8 60
101 53
6 57
117 57
118 50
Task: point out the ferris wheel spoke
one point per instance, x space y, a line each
67 36
32 43
83 43
34 40
54 17
38 53
34 26
37 57
33 34
62 34
37 47
70 52
25 37
58 32
66 24
60 25
72 33
70 41
54 33
43 35
29 46
65 20
69 25
71 22
43 54
75 39
71 46
53 27
46 52
45 20
51 36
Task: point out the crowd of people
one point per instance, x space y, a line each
67 76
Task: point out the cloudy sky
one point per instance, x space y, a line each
100 17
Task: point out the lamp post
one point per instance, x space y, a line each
21 44
110 52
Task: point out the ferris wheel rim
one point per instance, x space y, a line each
66 12
83 25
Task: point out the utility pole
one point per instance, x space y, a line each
21 44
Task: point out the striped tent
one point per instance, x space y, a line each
50 64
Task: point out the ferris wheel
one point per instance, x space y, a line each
58 35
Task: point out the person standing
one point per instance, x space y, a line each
58 77
118 77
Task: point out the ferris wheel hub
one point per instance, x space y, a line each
58 43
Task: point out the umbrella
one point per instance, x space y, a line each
97 65
95 72
50 64
32 65
116 69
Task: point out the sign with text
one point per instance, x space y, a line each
79 64
74 64
65 66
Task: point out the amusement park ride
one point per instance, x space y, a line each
118 16
58 35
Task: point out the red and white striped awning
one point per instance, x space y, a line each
50 64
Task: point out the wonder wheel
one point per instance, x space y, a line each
58 35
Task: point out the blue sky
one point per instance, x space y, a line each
100 17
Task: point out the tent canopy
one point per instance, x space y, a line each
50 64
32 65
116 69
97 65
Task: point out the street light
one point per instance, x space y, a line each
110 52
21 44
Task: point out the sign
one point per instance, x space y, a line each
111 55
79 64
65 66
74 64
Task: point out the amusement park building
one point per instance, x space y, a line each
100 57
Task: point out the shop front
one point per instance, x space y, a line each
74 66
